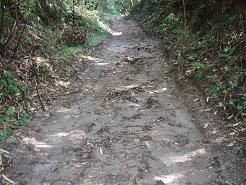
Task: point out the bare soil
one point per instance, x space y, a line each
123 124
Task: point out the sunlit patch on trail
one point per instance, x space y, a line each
183 158
61 134
102 64
98 61
90 58
63 109
158 90
166 179
76 134
108 29
35 143
134 104
128 87
115 33
188 156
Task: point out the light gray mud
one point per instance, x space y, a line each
124 126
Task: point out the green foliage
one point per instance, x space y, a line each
91 5
171 19
200 68
199 65
235 82
168 23
241 106
121 6
228 53
9 84
200 75
27 7
10 117
216 90
66 52
12 87
97 32
4 134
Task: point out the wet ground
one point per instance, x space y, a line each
125 126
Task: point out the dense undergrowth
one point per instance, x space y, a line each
38 42
208 47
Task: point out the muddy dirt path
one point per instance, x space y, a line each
125 126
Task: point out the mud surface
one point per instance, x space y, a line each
125 125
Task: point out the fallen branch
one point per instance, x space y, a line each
36 87
8 179
36 82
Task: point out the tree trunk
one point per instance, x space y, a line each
73 13
2 20
185 20
130 4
